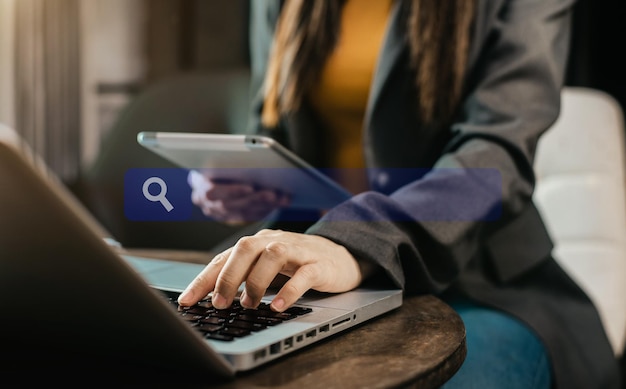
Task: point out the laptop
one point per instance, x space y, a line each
68 293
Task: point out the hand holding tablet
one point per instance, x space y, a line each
233 202
240 177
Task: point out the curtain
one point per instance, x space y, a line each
47 68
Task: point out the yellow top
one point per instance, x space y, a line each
340 97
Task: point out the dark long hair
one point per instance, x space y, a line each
438 32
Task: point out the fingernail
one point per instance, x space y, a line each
277 304
245 300
193 176
219 301
186 296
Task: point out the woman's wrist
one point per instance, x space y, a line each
366 268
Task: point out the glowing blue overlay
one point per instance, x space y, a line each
443 194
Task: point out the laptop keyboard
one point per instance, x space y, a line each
233 322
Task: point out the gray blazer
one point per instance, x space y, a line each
514 77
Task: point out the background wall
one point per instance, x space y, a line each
7 103
597 59
196 36
114 64
130 45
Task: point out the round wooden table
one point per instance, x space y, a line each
421 345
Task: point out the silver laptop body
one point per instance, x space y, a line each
64 289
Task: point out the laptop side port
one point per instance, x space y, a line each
287 343
311 334
340 322
275 348
260 354
325 328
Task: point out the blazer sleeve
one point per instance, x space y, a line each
517 66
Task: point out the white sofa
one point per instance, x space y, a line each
580 192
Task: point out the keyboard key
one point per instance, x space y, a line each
212 320
246 325
209 327
233 331
217 336
233 322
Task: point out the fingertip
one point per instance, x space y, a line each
219 301
187 297
278 304
192 176
246 301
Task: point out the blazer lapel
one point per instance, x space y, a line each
393 45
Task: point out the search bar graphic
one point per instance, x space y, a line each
155 194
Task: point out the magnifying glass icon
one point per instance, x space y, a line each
160 197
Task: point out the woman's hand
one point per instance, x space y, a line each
233 202
310 262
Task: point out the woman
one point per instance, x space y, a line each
383 87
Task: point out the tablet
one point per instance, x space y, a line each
254 159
